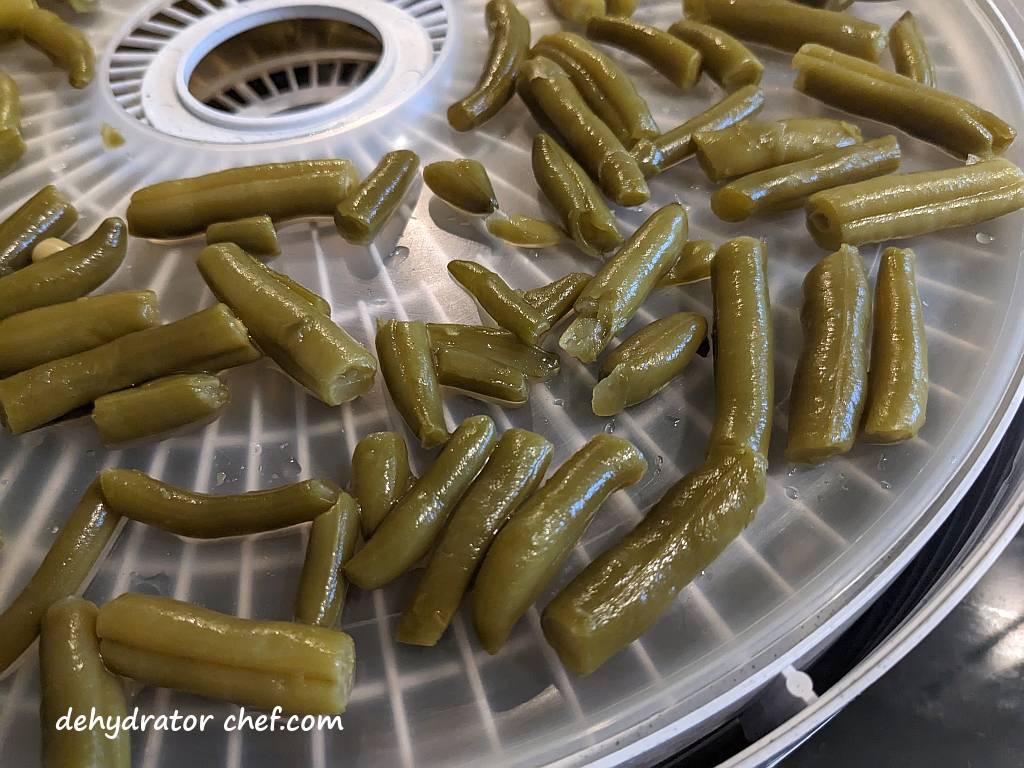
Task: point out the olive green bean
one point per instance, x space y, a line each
507 307
524 231
360 216
909 52
407 363
380 476
463 184
482 378
677 61
298 291
44 215
694 264
12 146
726 60
332 541
556 299
64 45
159 407
578 10
255 235
495 344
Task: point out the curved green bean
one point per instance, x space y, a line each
726 60
332 541
481 377
159 407
463 184
507 307
44 215
255 235
64 45
406 361
380 476
909 52
360 216
523 231
694 264
677 61
556 299
495 344
12 146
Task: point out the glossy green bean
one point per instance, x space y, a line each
507 307
297 290
909 52
495 344
463 184
332 541
380 476
407 363
255 235
524 231
64 45
482 378
677 61
694 264
159 407
726 60
578 10
44 215
12 146
360 216
556 299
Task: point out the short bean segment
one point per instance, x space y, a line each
510 40
556 299
255 235
159 407
481 377
507 307
264 664
380 476
64 45
407 363
45 215
495 344
673 58
909 51
694 264
534 545
524 231
360 216
12 145
830 382
332 541
726 60
463 184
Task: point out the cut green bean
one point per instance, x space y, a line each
482 378
495 344
463 184
694 264
360 216
556 299
12 146
45 215
524 231
909 52
726 60
507 307
408 532
578 10
407 364
677 61
298 291
255 235
380 476
159 407
64 45
332 541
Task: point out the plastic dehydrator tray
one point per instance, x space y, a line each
823 544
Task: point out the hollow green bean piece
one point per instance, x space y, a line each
674 146
159 407
39 395
255 235
617 291
510 40
263 664
332 541
41 335
788 186
64 45
380 476
830 381
592 143
757 145
534 545
726 60
647 361
694 264
136 496
12 146
408 532
360 216
785 25
897 397
673 58
911 204
73 679
296 289
909 52
463 184
495 344
515 469
44 215
555 299
281 191
62 572
507 307
524 231
308 345
407 363
578 10
482 378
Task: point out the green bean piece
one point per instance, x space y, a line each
507 307
786 26
909 52
263 664
231 359
726 60
298 291
592 143
495 344
674 146
694 264
64 45
463 184
536 542
830 382
524 231
578 10
66 275
897 396
410 529
789 186
620 7
42 335
308 346
556 299
910 204
757 145
515 469
159 407
12 146
677 61
510 40
619 288
255 235
281 191
647 361
380 476
332 541
35 397
73 679
44 215
360 216
482 378
407 363
62 572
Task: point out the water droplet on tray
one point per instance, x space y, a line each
55 529
886 484
219 480
558 402
291 470
673 420
792 492
984 238
399 252
881 461
610 426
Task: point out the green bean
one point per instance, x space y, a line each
524 231
911 204
897 396
380 476
159 407
64 45
615 293
41 335
360 216
407 363
534 545
726 60
231 359
255 235
556 299
515 469
12 146
35 397
578 10
307 345
73 680
67 275
281 191
510 39
332 541
909 52
463 184
830 382
482 378
407 533
647 361
44 215
495 344
262 664
673 58
786 26
62 572
789 186
674 146
694 264
297 290
507 307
